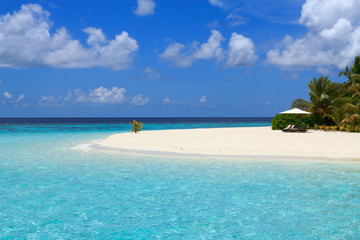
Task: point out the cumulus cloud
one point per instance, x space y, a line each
98 95
210 49
48 100
101 95
332 40
145 7
241 51
7 95
174 53
203 99
139 100
26 41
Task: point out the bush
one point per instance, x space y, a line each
357 129
281 121
348 128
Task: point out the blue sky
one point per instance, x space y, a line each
157 58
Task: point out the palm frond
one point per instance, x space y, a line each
301 104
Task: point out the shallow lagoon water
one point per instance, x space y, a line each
50 190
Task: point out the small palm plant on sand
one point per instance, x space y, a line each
136 126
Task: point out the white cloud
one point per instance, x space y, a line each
104 95
166 100
26 41
241 51
139 100
151 74
8 95
98 95
174 53
96 36
48 100
332 40
236 20
145 7
10 99
210 49
179 56
69 96
322 14
20 98
203 99
217 3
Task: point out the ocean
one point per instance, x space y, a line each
51 190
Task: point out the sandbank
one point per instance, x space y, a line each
242 141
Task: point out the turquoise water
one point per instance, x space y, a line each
48 190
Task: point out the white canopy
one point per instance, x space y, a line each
295 111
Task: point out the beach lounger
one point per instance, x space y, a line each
302 129
296 129
288 128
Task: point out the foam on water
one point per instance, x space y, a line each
49 190
86 147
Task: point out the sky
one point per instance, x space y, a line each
161 58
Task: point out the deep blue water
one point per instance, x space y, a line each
122 124
48 190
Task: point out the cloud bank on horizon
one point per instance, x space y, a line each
99 96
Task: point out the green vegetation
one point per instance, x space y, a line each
334 106
281 121
136 126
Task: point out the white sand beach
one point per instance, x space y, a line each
249 141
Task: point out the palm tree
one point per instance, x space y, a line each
352 113
337 116
355 69
353 84
353 87
324 97
136 126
